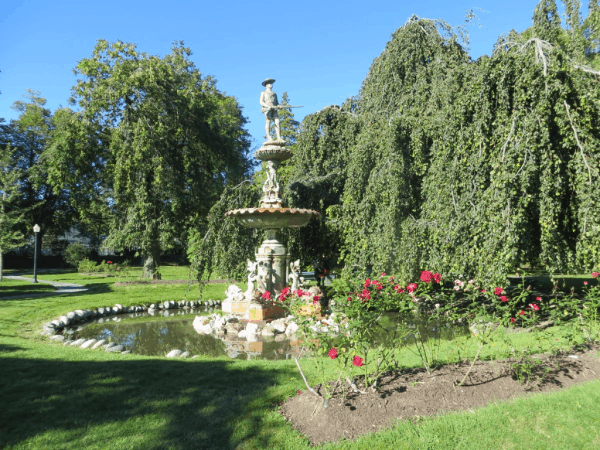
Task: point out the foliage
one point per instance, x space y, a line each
469 167
10 216
76 252
155 143
30 136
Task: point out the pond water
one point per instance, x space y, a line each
158 334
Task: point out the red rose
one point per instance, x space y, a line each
266 295
426 276
585 283
498 291
595 274
534 307
437 278
504 298
109 262
382 274
315 299
521 313
333 354
349 299
379 287
367 283
357 361
512 320
483 290
539 299
412 287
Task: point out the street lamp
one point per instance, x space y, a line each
36 230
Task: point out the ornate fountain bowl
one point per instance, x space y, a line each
272 217
273 153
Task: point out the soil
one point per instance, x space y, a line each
415 393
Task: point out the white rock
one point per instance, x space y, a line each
251 337
279 325
251 328
88 343
174 353
291 328
58 337
202 325
99 343
78 342
185 355
115 348
70 315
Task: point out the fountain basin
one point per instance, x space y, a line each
273 218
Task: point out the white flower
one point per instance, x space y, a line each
471 281
437 306
457 288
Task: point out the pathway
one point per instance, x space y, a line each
63 288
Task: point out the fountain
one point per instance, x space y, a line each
273 267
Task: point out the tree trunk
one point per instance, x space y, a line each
152 261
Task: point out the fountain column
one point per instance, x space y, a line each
272 258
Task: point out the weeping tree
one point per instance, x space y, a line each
464 167
155 143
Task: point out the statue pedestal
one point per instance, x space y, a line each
252 311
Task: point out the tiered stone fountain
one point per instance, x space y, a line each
273 267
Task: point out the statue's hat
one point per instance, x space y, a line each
268 80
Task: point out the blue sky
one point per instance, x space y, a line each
318 51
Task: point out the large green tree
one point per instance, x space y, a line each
11 216
29 136
155 138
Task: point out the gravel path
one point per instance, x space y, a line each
63 288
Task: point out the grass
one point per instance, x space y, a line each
57 397
9 288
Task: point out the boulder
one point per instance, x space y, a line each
47 331
202 325
65 320
78 342
115 348
174 353
291 328
251 328
126 352
99 343
185 355
88 343
70 315
279 325
58 337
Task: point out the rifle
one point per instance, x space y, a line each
287 106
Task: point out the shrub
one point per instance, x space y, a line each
75 253
86 266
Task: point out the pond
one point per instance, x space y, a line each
159 333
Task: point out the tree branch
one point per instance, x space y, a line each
578 142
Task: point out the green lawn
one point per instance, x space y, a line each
9 288
56 397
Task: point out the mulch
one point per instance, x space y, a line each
414 393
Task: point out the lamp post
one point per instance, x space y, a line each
36 230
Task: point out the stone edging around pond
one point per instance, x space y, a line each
55 326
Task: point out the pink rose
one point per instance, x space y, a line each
357 361
333 353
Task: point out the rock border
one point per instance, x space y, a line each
54 327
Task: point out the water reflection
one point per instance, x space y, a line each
145 335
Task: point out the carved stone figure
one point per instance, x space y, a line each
269 103
252 277
294 275
263 277
234 293
271 189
